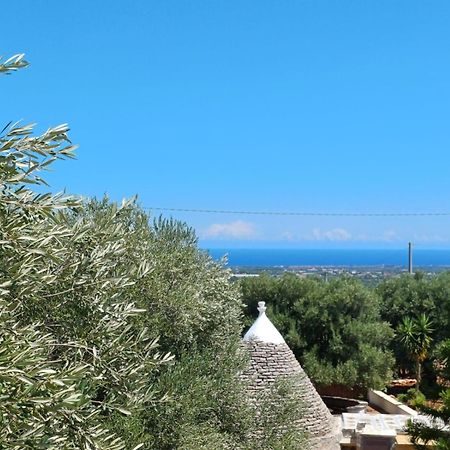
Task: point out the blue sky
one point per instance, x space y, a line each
315 106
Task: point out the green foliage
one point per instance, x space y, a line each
406 296
442 354
437 426
413 398
207 403
278 411
208 409
78 355
196 311
41 401
415 337
12 64
85 289
333 328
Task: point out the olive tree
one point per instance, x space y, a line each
116 331
60 382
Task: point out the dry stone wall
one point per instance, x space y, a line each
271 363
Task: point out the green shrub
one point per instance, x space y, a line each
413 398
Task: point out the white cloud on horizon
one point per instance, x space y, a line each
434 238
240 230
234 230
344 235
288 236
389 236
335 234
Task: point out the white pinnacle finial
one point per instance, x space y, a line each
261 308
263 329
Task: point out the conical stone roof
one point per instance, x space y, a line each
271 360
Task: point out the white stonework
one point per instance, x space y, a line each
272 360
263 329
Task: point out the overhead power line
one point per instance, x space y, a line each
301 213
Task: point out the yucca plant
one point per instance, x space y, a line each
415 336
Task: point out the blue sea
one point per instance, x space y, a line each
332 257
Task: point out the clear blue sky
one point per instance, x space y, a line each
313 105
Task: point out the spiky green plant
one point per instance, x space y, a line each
415 336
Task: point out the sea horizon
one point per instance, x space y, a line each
335 257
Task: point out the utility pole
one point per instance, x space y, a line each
410 263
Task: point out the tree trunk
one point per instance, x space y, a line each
418 373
